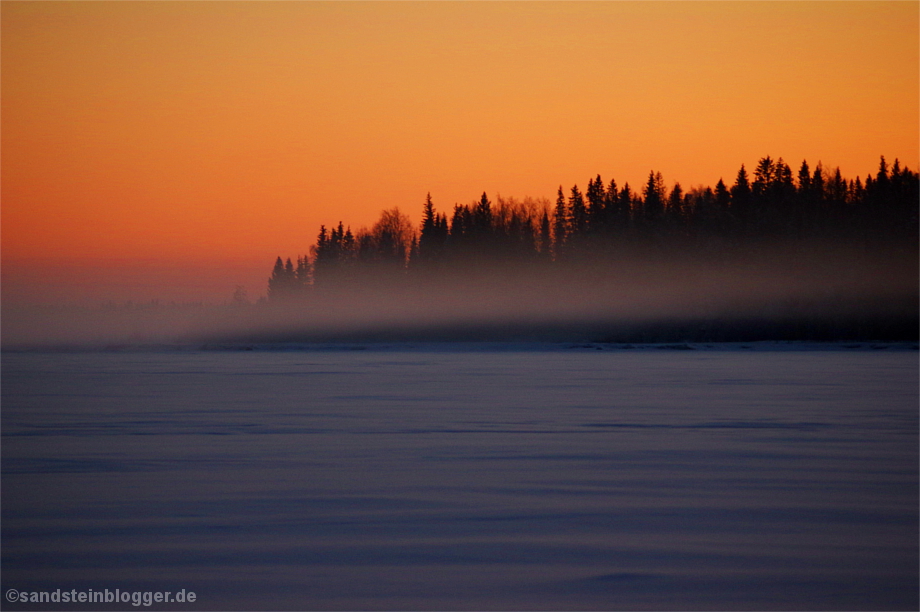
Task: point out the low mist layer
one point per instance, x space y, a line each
767 295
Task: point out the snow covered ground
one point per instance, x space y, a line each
443 476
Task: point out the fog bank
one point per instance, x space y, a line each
765 295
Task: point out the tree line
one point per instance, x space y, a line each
773 204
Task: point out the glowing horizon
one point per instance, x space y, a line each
190 137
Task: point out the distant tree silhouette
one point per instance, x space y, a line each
741 200
389 241
654 195
578 214
333 254
722 219
482 218
561 227
283 282
616 220
674 209
837 191
433 236
804 178
627 206
763 177
881 179
597 203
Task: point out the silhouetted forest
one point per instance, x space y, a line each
775 256
773 206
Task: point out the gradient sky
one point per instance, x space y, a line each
171 150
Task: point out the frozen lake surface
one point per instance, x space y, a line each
432 478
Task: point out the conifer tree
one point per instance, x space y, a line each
596 196
578 211
857 191
482 216
276 281
676 201
613 219
837 190
654 197
881 179
561 227
804 178
457 224
741 198
817 185
763 177
626 202
430 243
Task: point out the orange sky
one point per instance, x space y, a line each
171 150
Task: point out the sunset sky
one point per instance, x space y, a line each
172 150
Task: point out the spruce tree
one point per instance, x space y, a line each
561 227
428 238
578 212
612 217
482 216
276 281
804 179
596 204
654 198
